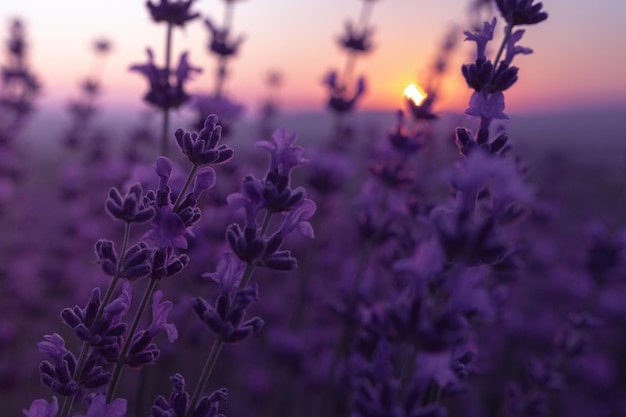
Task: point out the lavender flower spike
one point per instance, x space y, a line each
201 148
173 12
521 12
283 153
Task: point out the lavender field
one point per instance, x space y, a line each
201 260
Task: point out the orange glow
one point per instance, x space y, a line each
415 93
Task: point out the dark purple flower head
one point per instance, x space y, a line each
202 147
58 374
165 263
136 263
220 43
128 208
340 101
178 402
226 318
521 12
102 46
82 320
478 74
164 94
356 41
174 12
423 111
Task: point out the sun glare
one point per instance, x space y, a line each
415 93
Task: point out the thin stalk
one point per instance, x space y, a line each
166 111
218 344
214 353
223 61
507 34
68 402
181 194
119 365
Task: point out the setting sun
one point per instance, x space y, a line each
415 93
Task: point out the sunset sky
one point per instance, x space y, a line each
579 59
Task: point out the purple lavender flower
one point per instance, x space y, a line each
220 44
226 318
166 264
178 402
98 407
168 229
201 147
129 208
136 263
356 41
163 94
58 374
108 329
142 349
41 408
173 12
340 101
228 273
488 106
521 12
284 156
423 111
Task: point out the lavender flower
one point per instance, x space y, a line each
173 12
340 100
356 41
178 403
129 208
143 350
163 94
521 12
226 318
41 408
220 43
108 329
98 407
201 148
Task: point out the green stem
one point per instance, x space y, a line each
166 112
68 402
119 365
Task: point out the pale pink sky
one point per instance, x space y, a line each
579 59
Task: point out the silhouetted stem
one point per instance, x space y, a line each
166 111
218 344
183 191
119 365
